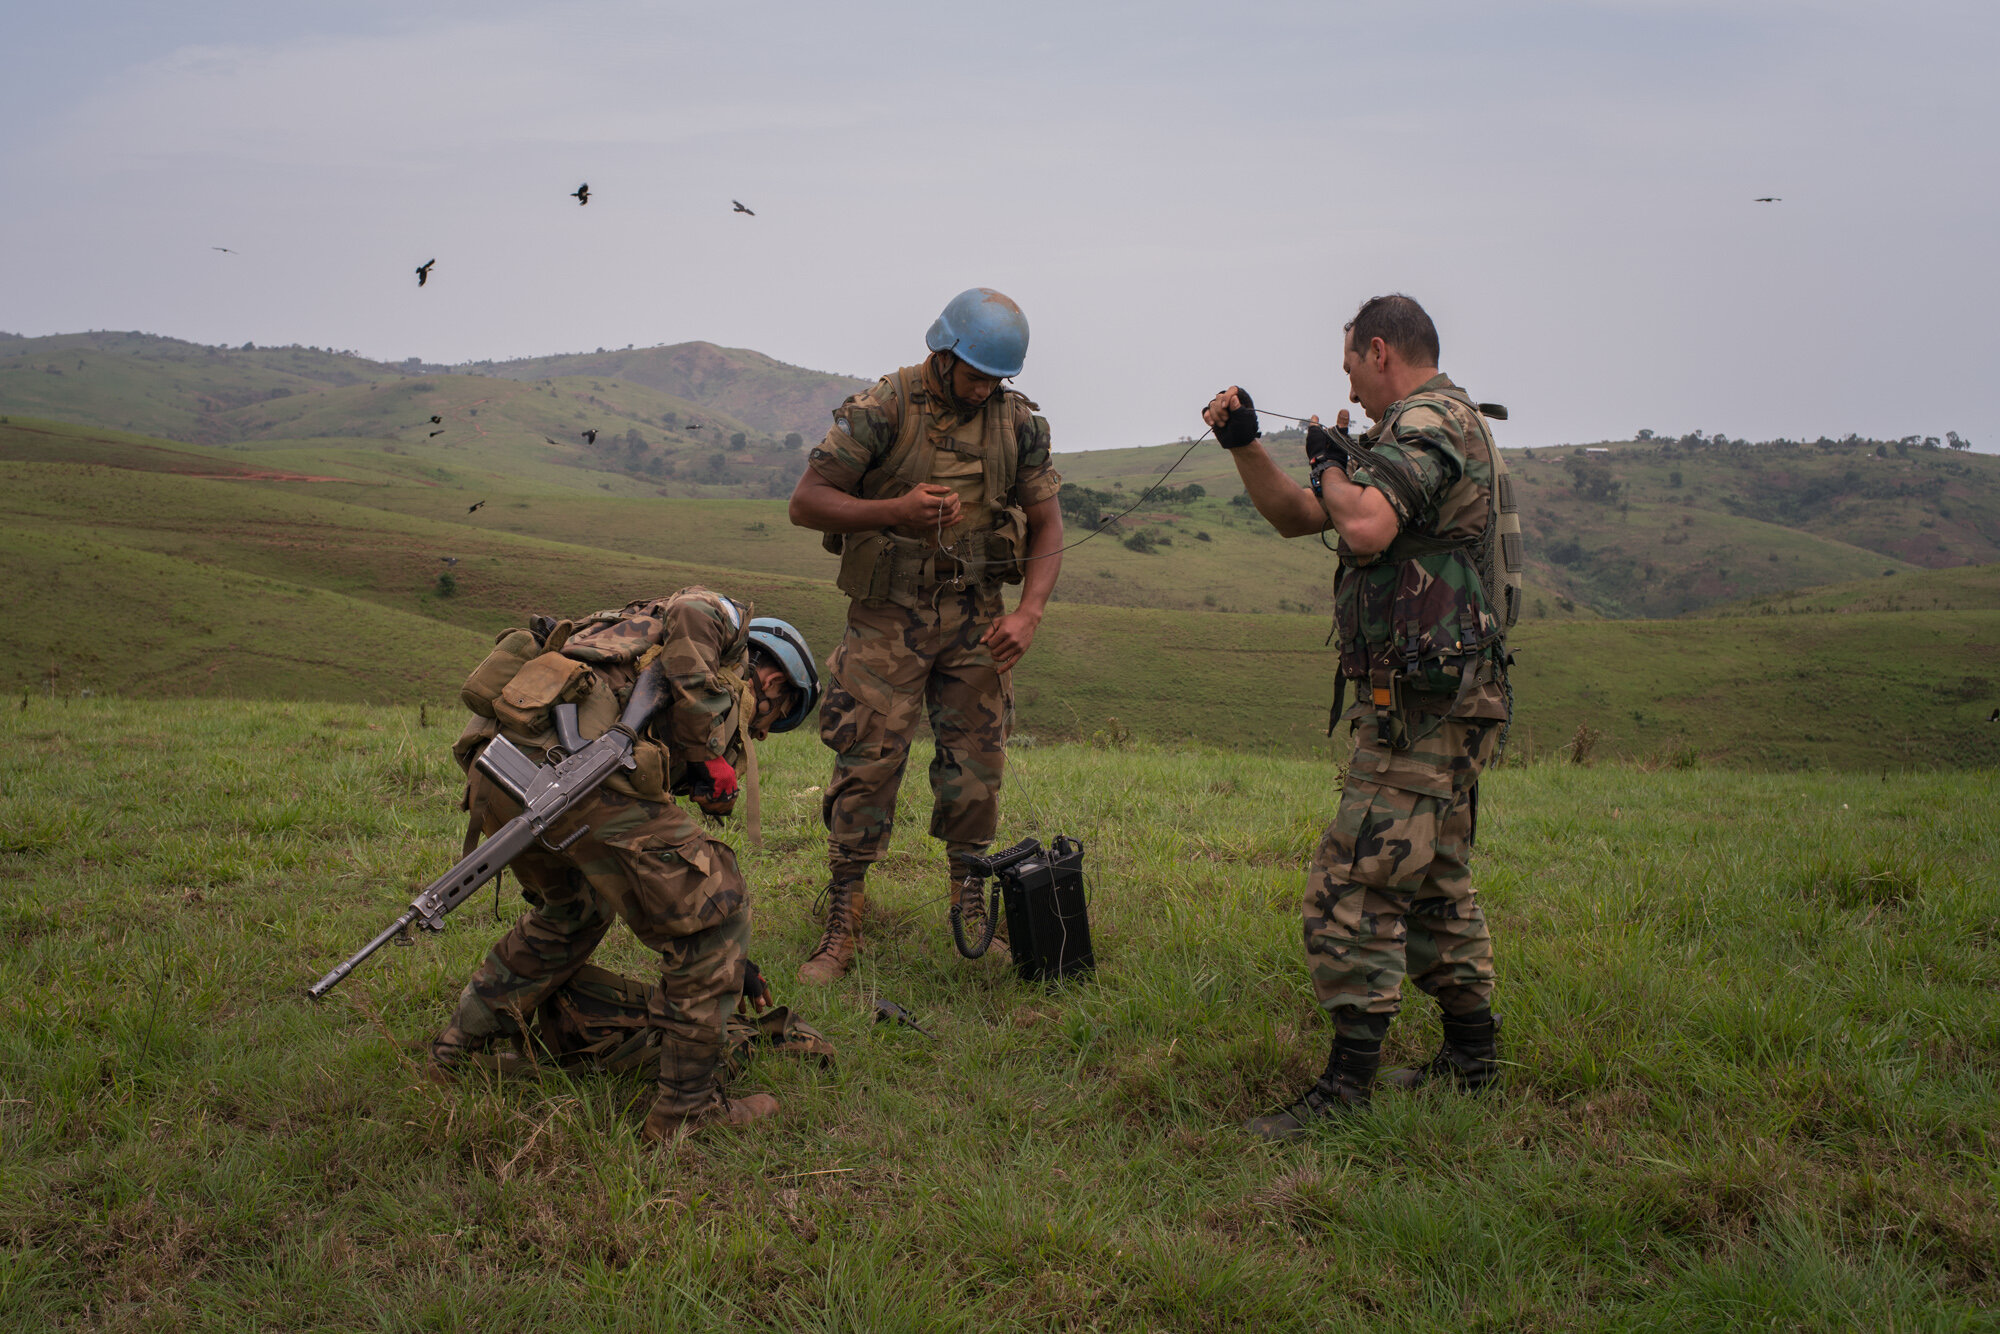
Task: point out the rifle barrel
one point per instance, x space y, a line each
334 978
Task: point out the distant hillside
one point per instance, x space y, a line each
1645 528
648 441
1656 528
764 393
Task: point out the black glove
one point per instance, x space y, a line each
755 989
1241 427
1328 447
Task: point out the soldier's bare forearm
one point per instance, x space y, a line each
819 505
1045 544
1285 505
1365 519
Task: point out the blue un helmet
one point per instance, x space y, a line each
985 329
786 647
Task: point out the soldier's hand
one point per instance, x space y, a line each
928 506
1232 417
721 777
755 989
1010 637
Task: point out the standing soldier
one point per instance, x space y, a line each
934 488
1388 893
628 850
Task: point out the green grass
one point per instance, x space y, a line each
1752 1020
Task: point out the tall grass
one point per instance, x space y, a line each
1753 1021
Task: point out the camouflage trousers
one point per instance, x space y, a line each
1388 895
676 888
893 664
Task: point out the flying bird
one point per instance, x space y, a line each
223 248
470 508
449 560
435 434
1768 199
694 426
424 272
590 436
581 194
740 209
437 421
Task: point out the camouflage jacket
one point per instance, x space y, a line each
866 426
703 638
1418 611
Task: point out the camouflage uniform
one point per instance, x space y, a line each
913 643
1388 893
643 858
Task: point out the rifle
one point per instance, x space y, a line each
546 792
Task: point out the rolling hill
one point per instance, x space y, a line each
1645 528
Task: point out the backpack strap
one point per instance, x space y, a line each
906 466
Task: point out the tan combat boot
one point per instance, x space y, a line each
664 1127
835 953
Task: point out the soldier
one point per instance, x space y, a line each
1388 894
629 850
934 488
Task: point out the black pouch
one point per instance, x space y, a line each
1048 918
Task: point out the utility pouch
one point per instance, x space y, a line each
1007 546
1048 918
647 778
867 566
547 681
511 652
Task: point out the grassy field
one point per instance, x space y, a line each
284 590
1752 1021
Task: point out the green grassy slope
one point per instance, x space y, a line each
1963 588
1752 691
109 618
1751 1021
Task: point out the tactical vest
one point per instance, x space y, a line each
888 567
1425 623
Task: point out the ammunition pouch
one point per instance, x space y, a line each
511 652
887 567
546 681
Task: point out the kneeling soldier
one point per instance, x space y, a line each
934 488
628 850
1388 894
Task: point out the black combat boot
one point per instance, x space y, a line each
1343 1089
1469 1056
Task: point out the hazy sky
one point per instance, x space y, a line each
1180 195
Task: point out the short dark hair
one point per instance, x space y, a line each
1400 323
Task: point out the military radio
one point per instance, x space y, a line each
1048 919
